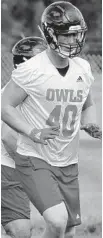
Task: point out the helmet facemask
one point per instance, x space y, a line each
72 47
66 49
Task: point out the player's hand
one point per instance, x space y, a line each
93 130
40 136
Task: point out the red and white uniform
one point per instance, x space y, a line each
53 98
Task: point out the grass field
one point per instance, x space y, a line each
90 177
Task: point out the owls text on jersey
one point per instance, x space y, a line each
53 98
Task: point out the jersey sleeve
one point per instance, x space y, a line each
89 75
23 75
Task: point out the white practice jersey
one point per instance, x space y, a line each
53 98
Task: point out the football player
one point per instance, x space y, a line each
27 48
15 207
53 91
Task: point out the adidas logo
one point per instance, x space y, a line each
77 216
80 79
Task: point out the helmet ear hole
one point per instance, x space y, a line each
53 39
52 46
51 32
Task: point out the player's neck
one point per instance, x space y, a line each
57 60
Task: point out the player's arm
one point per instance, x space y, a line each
9 137
12 96
88 118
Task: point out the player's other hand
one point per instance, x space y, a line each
93 130
40 136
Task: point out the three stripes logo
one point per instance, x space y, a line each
80 79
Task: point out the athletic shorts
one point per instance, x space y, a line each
48 186
14 201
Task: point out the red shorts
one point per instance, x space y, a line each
48 186
14 201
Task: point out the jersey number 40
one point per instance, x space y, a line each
68 119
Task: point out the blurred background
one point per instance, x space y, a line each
20 18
